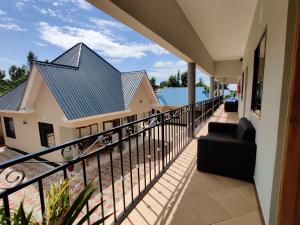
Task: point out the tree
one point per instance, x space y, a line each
173 81
200 83
163 84
2 74
183 79
16 73
153 83
30 58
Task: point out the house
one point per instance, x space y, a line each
77 94
174 97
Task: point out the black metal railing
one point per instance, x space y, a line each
125 162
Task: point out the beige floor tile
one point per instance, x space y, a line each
234 203
248 219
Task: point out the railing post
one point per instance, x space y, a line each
163 140
193 121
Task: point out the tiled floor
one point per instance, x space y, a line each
185 196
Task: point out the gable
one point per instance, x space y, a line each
130 83
144 97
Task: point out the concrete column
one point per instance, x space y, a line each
191 82
218 88
223 88
211 87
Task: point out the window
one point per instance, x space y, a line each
116 123
258 75
111 124
242 91
9 127
46 134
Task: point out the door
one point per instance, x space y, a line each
289 206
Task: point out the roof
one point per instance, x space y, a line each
130 83
83 84
178 96
12 99
92 88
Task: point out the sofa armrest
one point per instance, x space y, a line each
216 147
222 127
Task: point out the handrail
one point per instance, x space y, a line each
162 141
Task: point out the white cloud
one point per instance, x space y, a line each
48 12
163 69
83 4
106 45
11 26
20 5
101 23
2 12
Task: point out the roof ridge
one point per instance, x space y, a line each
55 65
134 71
66 52
100 57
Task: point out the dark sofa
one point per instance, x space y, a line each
231 106
228 149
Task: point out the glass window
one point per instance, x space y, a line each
47 134
9 127
258 76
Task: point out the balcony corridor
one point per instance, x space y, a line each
185 196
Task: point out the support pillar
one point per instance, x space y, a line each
211 88
218 88
223 88
191 83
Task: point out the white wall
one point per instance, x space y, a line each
270 15
47 110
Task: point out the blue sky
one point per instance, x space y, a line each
49 27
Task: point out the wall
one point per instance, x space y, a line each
272 15
1 133
26 125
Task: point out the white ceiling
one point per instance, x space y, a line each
222 25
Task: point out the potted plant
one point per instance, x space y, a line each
59 208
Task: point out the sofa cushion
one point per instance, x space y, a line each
245 130
220 135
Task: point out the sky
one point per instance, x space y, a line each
49 27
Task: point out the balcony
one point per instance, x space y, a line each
147 176
184 195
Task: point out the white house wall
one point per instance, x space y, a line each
270 15
47 110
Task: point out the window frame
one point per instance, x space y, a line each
258 71
44 142
9 133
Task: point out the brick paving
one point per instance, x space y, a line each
31 196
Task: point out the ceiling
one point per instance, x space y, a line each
222 25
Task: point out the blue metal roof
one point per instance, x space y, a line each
178 96
130 83
12 100
70 57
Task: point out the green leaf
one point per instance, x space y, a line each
78 204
